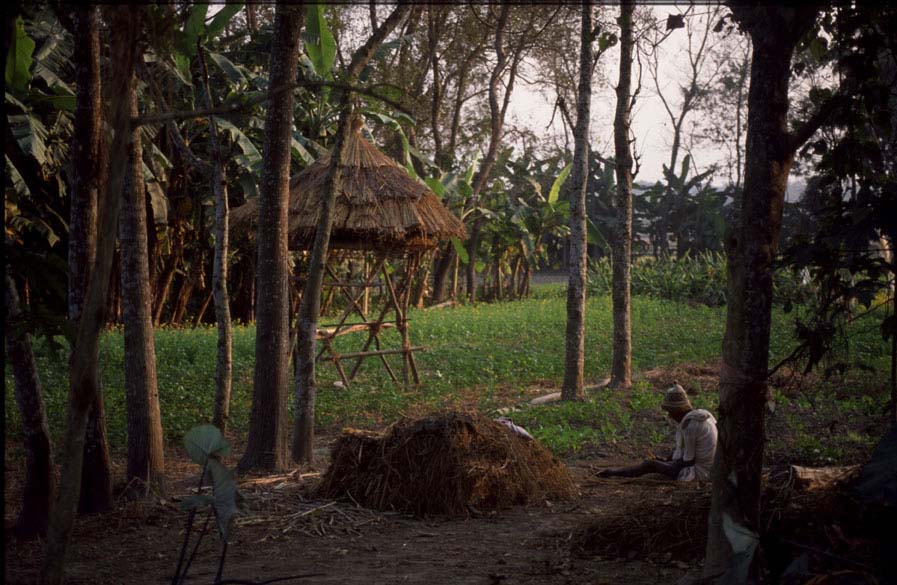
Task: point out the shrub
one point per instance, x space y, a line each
699 279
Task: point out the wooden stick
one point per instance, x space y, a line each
332 332
344 356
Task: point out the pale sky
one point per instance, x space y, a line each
532 107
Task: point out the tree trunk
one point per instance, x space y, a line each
202 309
751 246
267 444
166 279
309 306
497 113
125 27
442 265
224 362
473 241
146 456
89 158
622 241
574 356
112 311
39 476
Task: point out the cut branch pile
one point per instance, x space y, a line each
453 464
281 507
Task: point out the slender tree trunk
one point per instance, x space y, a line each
267 444
751 246
112 311
622 241
89 160
146 456
309 306
497 113
574 360
202 309
224 362
125 28
166 279
39 476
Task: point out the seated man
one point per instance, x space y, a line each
695 443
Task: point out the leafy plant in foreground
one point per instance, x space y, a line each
206 446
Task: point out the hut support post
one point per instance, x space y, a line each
399 301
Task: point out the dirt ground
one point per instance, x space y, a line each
284 533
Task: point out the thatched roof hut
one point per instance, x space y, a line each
379 206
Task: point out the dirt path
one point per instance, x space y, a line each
285 534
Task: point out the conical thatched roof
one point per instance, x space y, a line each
379 206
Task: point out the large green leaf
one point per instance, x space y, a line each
460 250
435 185
15 177
19 59
234 74
62 98
555 191
182 68
593 235
203 443
224 492
194 27
299 152
320 45
406 146
243 141
30 134
221 18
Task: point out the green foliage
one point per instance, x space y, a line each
558 183
18 60
487 355
701 278
205 445
205 442
319 43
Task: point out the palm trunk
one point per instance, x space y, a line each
39 477
89 172
574 357
622 249
267 444
125 27
146 457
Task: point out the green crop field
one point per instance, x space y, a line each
488 356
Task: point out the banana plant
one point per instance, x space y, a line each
39 103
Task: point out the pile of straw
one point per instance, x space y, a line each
452 464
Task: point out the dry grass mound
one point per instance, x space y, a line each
450 464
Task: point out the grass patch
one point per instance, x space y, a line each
483 356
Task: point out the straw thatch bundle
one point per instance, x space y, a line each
447 464
379 206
